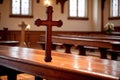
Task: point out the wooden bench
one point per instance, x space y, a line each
105 37
102 45
115 51
62 67
9 43
110 37
4 34
11 74
7 71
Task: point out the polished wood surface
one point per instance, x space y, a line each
82 41
114 38
11 74
62 67
85 41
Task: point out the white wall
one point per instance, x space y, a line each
0 15
39 11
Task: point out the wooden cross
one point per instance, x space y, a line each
49 23
23 27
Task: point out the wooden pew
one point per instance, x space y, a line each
7 71
11 74
114 53
113 38
4 34
103 45
62 67
9 43
4 40
42 43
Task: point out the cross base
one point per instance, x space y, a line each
23 44
48 59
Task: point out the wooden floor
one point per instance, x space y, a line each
74 51
20 77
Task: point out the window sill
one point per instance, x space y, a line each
114 18
21 16
78 18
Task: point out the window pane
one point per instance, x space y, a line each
15 6
115 8
73 8
81 8
25 7
78 8
21 7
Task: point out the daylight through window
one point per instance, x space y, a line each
78 8
21 7
114 8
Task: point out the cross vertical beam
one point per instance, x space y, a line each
23 27
49 23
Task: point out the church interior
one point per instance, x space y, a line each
87 28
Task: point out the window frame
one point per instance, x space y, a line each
77 17
110 11
20 15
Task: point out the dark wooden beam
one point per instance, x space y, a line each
102 15
62 2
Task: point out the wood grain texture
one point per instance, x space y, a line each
62 67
